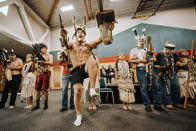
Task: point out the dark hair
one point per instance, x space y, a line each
42 45
81 30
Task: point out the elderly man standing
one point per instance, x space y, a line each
166 61
138 56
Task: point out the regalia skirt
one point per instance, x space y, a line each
182 77
28 85
126 90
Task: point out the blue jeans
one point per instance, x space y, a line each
156 90
143 79
173 85
65 83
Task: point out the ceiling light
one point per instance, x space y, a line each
113 0
2 0
67 8
4 10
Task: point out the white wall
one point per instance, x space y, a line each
181 18
38 30
13 21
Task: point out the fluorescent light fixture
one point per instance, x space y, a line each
113 0
2 0
67 8
4 10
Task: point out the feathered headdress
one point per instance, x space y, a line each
11 52
137 37
80 27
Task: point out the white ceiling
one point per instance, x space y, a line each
43 8
9 43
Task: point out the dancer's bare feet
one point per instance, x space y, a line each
124 107
29 106
26 106
90 107
94 107
129 107
11 107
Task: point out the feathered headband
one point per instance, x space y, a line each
80 27
137 37
9 52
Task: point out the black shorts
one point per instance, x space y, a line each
79 74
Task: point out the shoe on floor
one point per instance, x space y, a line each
93 92
45 105
179 106
35 108
159 108
170 107
78 120
148 109
63 109
72 107
2 106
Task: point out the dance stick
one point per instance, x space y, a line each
189 73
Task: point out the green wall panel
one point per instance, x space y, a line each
125 41
54 53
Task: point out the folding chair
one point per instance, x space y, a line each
107 90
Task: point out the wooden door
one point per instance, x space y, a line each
56 78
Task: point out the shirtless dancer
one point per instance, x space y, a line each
83 66
12 84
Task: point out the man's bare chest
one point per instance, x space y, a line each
14 63
81 49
